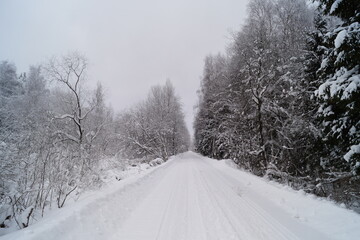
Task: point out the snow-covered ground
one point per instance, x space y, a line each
193 197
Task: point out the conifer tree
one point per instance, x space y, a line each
340 92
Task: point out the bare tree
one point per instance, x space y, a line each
70 71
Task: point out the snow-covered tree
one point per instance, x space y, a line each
340 91
211 109
155 127
25 147
287 95
9 83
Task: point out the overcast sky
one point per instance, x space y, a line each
131 45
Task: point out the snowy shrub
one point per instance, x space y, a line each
156 162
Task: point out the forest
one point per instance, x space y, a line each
284 100
56 135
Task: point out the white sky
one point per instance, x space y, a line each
131 45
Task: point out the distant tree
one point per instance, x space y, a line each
155 127
100 124
9 83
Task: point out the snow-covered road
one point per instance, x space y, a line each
195 200
192 197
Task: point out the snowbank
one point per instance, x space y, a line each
58 222
322 214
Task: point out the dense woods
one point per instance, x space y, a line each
283 102
56 135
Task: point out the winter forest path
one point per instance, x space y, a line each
196 200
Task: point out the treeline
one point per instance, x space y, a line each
156 126
55 135
284 102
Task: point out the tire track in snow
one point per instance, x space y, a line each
272 229
216 204
195 222
166 211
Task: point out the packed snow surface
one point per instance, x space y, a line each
193 197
